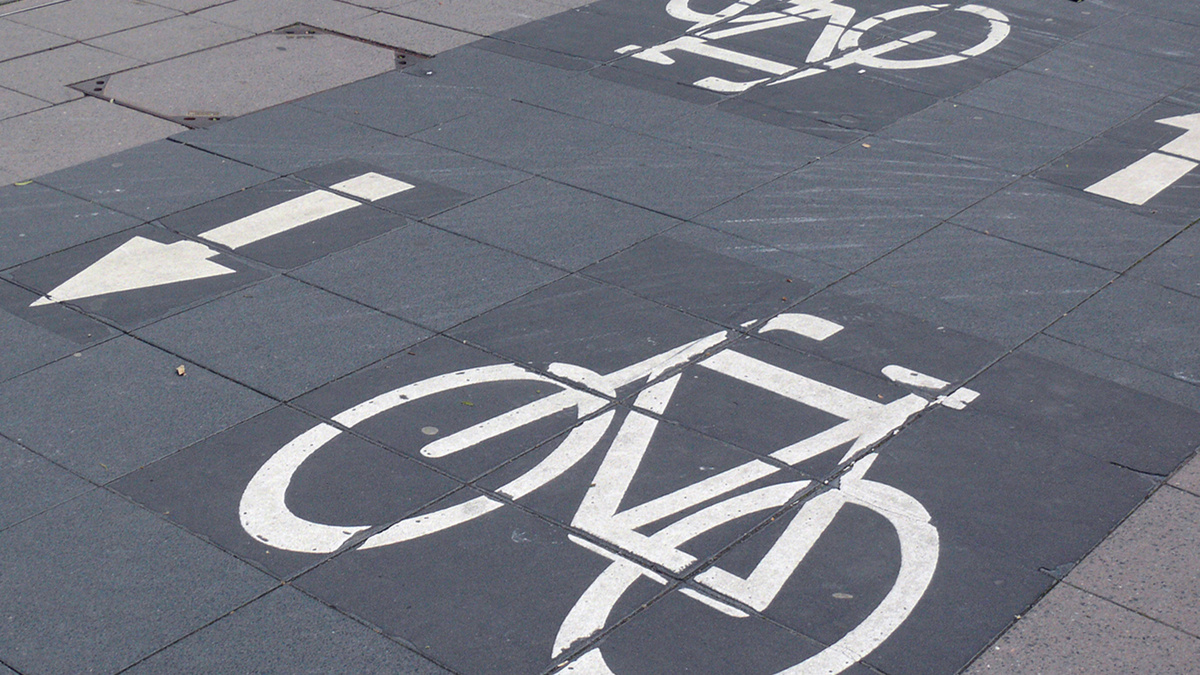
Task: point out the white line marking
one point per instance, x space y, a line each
279 218
1141 181
372 186
911 377
809 326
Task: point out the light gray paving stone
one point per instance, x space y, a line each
65 135
165 39
1070 631
282 336
433 278
482 17
287 632
1148 563
1188 477
983 137
260 16
188 5
83 19
1142 323
398 31
13 103
18 40
1054 101
97 583
155 179
30 484
1115 370
118 406
248 75
45 74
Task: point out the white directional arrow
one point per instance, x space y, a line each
143 263
1150 175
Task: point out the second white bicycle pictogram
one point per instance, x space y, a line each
628 537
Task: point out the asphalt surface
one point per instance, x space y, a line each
632 338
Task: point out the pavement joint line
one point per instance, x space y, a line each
51 3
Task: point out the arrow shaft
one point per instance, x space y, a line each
1140 181
279 218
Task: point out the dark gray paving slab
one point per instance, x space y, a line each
347 482
500 620
554 223
153 180
34 340
288 138
524 136
1072 631
118 406
595 32
427 276
582 322
737 137
1142 323
31 484
296 246
983 137
98 584
398 103
1116 370
665 176
1015 289
1109 69
282 336
36 220
1054 101
1151 34
1145 566
717 288
497 69
1050 218
1103 157
792 266
1187 477
422 200
111 255
286 631
409 427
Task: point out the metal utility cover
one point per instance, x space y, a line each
248 75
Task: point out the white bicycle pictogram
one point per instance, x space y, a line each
709 503
836 47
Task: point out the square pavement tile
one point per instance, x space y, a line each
436 389
162 40
280 236
34 338
787 263
1057 220
19 40
1115 70
488 595
714 287
1146 564
422 102
665 176
554 223
597 31
45 74
118 406
1071 631
100 584
36 220
983 137
1150 34
420 200
343 486
32 484
524 136
737 137
430 277
83 19
583 323
482 74
473 16
1188 477
287 631
1139 322
1015 290
1054 101
282 336
96 277
155 179
13 103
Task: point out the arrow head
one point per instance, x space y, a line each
138 263
1187 145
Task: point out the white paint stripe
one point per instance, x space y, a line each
1140 181
792 385
655 399
753 27
726 609
696 493
513 419
959 399
813 327
820 443
419 526
660 363
1187 145
578 443
279 218
372 186
911 377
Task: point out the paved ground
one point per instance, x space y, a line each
635 337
